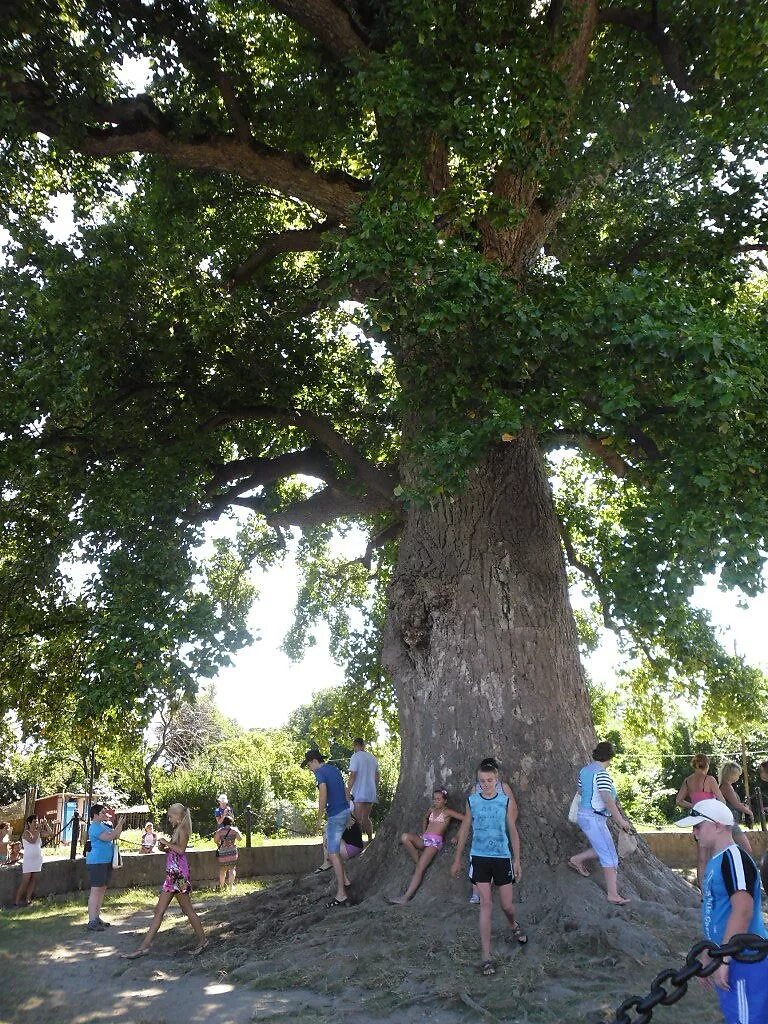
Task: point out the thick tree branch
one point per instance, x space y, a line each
378 540
594 446
320 508
255 472
372 477
295 240
196 48
328 23
658 34
137 126
590 573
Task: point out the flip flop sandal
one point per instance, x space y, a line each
515 934
337 903
487 968
320 870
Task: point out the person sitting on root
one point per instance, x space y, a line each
177 882
598 803
425 847
495 842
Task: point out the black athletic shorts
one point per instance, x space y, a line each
492 869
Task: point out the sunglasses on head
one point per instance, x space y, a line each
704 817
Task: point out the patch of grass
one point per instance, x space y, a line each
49 919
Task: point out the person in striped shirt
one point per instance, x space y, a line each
730 906
597 803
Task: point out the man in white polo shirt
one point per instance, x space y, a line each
730 906
363 784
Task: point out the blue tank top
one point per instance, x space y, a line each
489 826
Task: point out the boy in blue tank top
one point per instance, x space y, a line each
730 906
491 817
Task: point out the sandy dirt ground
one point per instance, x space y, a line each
280 955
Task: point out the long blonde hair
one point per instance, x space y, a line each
185 825
729 772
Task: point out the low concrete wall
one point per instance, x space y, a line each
678 849
61 876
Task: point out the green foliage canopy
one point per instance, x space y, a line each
332 241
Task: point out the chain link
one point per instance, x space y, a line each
745 948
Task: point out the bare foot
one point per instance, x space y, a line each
574 865
136 953
347 882
618 900
397 901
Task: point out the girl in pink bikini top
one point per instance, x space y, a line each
699 785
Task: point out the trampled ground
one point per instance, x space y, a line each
279 955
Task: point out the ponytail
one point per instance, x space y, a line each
185 825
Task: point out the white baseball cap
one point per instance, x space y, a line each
707 810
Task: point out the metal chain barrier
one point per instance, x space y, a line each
745 948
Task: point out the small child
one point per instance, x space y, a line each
425 847
149 839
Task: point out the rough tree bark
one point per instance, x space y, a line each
482 645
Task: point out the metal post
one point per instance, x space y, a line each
90 792
75 835
745 770
760 807
248 825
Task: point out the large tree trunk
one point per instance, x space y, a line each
482 645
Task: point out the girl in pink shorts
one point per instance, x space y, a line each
424 848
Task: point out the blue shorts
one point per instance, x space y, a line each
747 1001
334 828
595 828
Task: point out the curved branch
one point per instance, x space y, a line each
137 126
594 446
375 479
328 23
292 240
320 508
590 573
658 34
259 472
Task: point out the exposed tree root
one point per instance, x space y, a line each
583 956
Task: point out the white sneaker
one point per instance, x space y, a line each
474 899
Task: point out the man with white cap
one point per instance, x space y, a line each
730 906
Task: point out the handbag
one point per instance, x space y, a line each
117 860
573 810
628 843
227 852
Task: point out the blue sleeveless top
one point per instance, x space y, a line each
489 825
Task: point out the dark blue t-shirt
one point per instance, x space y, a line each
337 796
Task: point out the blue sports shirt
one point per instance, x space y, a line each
732 870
